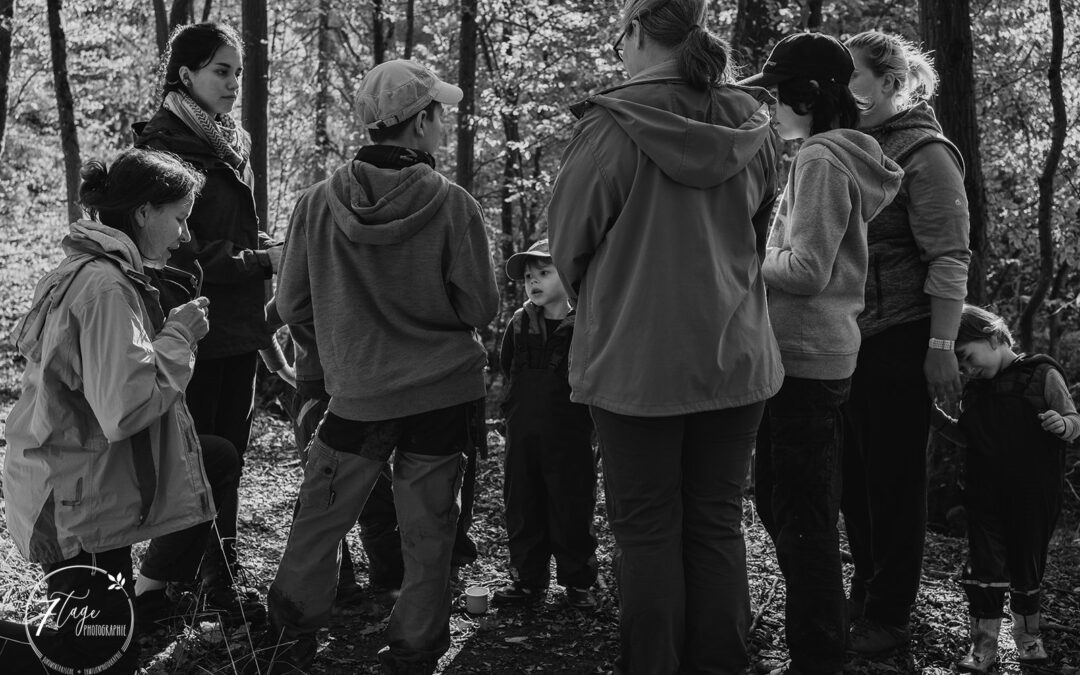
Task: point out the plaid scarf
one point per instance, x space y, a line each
220 134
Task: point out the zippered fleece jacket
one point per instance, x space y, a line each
393 268
655 223
101 449
815 263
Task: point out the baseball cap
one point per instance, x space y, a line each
515 264
813 56
394 91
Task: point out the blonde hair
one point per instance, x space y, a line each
916 79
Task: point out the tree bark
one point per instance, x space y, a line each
946 30
256 96
322 95
65 104
7 16
755 32
466 133
378 33
410 26
182 12
207 6
1047 254
813 15
161 25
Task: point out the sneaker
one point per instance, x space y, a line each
871 638
275 655
580 598
517 594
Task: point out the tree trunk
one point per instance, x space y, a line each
207 6
161 25
466 133
410 26
182 12
1046 178
65 104
378 33
256 95
813 15
946 31
7 16
754 33
322 96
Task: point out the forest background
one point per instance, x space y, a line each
75 75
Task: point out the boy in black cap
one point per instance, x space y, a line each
549 490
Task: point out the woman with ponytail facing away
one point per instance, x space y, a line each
656 224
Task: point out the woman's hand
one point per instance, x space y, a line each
192 317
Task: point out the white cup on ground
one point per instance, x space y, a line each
476 599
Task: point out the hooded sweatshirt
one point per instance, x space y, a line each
101 449
393 268
815 264
655 222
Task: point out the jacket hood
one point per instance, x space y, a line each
919 116
736 129
87 240
878 176
378 206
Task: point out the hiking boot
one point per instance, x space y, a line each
518 594
982 654
580 598
277 655
871 638
231 602
1026 635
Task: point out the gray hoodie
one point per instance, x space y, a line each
393 267
815 263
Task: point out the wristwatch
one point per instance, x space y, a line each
944 345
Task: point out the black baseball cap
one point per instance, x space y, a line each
813 56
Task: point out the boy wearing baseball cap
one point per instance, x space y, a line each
549 490
390 262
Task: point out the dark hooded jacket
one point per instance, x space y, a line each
393 268
657 224
226 240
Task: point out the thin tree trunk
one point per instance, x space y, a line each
410 26
946 31
466 133
65 104
378 34
1054 328
813 15
7 17
256 96
206 10
182 12
161 25
322 95
1046 178
755 32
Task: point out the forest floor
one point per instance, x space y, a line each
547 639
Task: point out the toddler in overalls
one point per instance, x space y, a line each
1016 417
549 490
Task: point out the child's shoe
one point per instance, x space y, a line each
982 654
1029 646
518 594
580 598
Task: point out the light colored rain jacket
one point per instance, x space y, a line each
101 450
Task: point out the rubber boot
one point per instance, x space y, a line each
1029 646
983 652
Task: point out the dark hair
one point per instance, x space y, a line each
886 54
112 194
978 324
194 45
702 56
395 130
832 104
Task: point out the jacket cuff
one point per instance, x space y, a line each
255 259
946 278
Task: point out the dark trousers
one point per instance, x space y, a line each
221 398
674 488
798 485
1013 501
884 502
549 493
171 557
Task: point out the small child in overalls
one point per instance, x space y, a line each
550 482
1016 416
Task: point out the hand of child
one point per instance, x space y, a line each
1052 422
